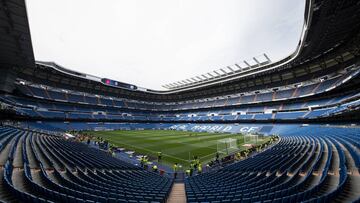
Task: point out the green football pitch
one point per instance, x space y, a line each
176 146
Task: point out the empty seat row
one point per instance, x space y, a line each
40 167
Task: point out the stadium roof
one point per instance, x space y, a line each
15 41
332 37
140 42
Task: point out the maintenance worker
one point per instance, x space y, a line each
198 162
207 167
159 156
192 167
175 170
188 172
238 156
217 156
146 161
192 164
199 168
246 153
142 161
155 168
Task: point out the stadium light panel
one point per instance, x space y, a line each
258 63
222 70
217 73
204 76
238 66
184 82
231 70
267 58
247 64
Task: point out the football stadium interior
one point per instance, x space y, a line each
275 131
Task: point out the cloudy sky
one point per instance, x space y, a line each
151 43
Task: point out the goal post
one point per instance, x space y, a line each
227 146
253 139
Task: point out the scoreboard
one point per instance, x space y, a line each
118 84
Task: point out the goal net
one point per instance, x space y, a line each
252 139
227 146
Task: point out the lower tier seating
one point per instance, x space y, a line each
38 167
309 164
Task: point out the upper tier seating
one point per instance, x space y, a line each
283 93
37 101
38 108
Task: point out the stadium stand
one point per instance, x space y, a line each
323 163
42 168
310 99
295 102
321 166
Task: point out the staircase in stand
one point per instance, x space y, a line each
177 194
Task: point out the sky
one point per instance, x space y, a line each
152 43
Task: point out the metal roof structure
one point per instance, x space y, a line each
218 74
329 39
15 41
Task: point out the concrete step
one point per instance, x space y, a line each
177 194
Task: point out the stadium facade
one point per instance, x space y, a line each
317 85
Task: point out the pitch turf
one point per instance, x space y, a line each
176 146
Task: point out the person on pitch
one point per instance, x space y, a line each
238 156
187 172
142 161
146 162
175 170
159 156
192 167
199 168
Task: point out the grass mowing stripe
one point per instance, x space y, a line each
144 149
